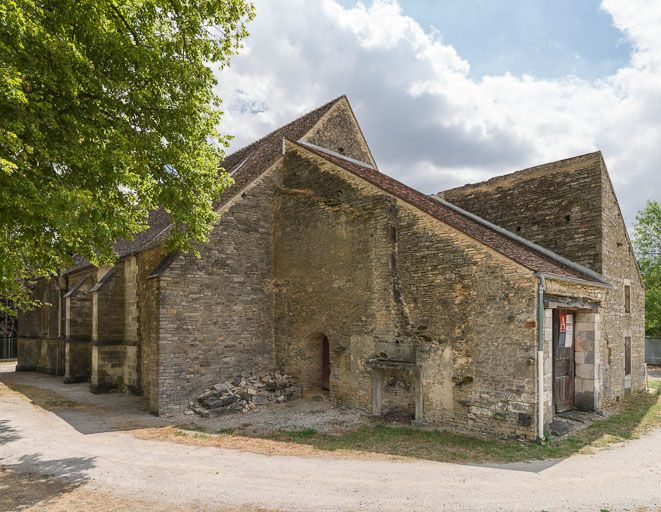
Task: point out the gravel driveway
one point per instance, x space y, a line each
48 464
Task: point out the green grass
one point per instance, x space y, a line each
300 435
638 414
655 384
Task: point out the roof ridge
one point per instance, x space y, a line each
254 143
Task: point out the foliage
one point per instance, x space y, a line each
647 242
109 111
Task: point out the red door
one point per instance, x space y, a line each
325 364
563 360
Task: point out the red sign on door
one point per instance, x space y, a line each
563 322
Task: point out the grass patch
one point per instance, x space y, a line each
300 435
637 414
655 384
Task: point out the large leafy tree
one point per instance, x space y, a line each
107 111
647 242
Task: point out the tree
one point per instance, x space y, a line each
107 111
647 242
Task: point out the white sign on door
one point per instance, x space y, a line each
569 337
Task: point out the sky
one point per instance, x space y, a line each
450 92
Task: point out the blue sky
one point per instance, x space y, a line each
450 92
544 38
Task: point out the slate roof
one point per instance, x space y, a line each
506 244
248 163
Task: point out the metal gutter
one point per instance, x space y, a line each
574 280
523 241
540 358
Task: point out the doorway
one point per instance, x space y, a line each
563 359
325 363
313 367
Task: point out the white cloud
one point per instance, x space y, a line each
428 123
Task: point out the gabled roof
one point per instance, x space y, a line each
245 165
521 251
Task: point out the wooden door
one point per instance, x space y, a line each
325 364
563 360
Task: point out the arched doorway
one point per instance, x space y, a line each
325 363
315 369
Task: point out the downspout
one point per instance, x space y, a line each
540 358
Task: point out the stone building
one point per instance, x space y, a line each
396 302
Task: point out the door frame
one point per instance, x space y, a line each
554 340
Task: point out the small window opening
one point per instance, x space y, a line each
627 298
627 355
340 150
567 218
518 228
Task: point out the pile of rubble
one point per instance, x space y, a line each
244 393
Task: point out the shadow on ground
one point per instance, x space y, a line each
7 432
637 415
75 404
33 480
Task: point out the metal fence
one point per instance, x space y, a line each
653 350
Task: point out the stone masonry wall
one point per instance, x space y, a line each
557 206
52 310
148 320
339 132
131 318
78 326
79 307
620 268
40 355
30 323
473 312
107 368
368 270
216 311
108 307
38 347
330 277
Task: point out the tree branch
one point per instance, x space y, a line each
136 39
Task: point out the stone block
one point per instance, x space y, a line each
585 371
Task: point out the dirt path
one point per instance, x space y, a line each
50 465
